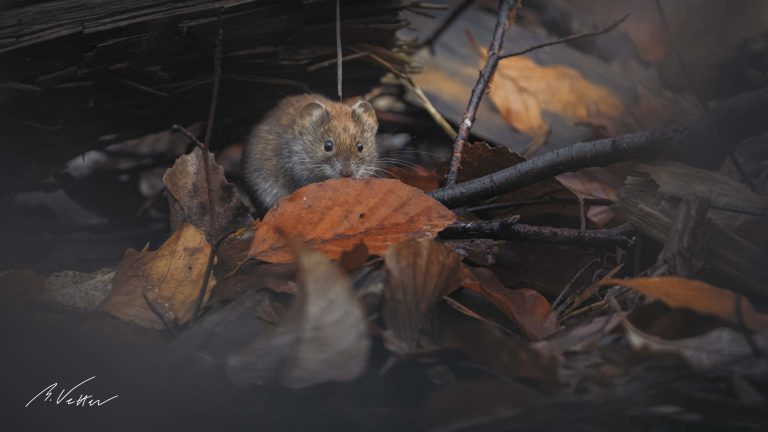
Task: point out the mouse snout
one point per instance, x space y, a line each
346 171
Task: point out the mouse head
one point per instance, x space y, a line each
338 140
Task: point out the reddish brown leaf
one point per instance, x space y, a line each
193 194
525 307
171 276
334 215
418 273
698 296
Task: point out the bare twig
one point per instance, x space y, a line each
540 201
506 7
568 38
429 42
503 229
338 48
215 91
190 135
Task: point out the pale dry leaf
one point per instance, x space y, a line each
79 290
192 195
171 277
324 336
698 296
715 348
418 273
335 215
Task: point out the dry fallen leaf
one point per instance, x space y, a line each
715 348
333 216
521 90
418 273
698 296
192 195
525 307
324 336
170 277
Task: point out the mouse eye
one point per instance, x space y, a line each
360 147
328 145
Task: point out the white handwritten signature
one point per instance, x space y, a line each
82 400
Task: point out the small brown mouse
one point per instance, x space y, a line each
306 139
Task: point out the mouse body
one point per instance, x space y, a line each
307 139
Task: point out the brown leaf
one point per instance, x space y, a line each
171 277
324 336
334 215
525 307
193 194
418 273
417 176
698 296
521 90
354 258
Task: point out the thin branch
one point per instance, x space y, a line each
429 42
541 201
190 135
506 7
338 48
568 38
503 229
215 91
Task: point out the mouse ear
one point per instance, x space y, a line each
313 115
363 112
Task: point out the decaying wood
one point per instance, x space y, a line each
685 250
653 214
79 74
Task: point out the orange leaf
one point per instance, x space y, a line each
698 296
335 215
521 90
527 308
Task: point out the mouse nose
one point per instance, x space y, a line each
346 172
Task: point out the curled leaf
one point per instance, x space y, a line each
525 307
171 277
324 336
418 273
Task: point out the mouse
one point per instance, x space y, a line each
307 139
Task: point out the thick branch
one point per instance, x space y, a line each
503 229
502 21
703 143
